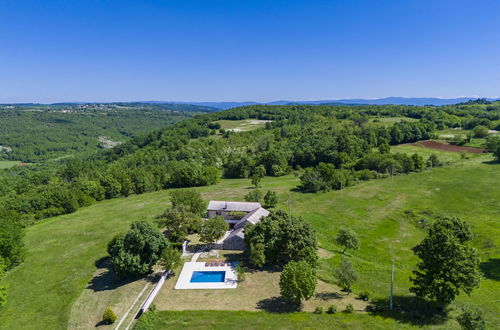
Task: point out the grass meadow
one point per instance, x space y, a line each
7 163
63 271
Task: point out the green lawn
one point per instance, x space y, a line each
262 320
7 163
388 215
389 121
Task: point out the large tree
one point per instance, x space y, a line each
213 229
188 199
179 222
284 237
447 264
348 239
298 281
135 253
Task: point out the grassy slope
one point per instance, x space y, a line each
62 250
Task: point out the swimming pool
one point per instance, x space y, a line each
209 276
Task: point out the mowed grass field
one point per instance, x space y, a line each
388 215
7 163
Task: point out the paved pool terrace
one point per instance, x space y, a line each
230 278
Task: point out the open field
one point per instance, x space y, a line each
388 121
389 216
242 125
9 163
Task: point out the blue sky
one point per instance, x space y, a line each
216 50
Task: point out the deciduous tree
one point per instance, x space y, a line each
346 275
270 199
189 199
298 281
170 258
447 264
213 229
135 253
348 239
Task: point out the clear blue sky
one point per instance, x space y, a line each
215 50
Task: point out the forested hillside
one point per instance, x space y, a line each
34 133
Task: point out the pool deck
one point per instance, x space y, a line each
184 281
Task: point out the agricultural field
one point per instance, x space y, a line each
242 125
389 215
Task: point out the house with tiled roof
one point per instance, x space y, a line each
238 215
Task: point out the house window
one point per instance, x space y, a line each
218 213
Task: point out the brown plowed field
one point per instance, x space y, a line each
444 146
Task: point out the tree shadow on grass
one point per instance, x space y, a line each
491 269
106 279
328 296
278 305
411 310
100 324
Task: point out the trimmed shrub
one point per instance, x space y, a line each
365 295
318 310
349 309
332 309
109 317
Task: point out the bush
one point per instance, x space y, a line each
471 320
332 309
349 309
240 270
109 317
365 295
318 310
480 131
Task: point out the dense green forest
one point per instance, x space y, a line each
328 146
34 133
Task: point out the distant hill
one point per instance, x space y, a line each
382 101
217 106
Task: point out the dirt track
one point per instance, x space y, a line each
444 146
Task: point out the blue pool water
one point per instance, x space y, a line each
211 276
